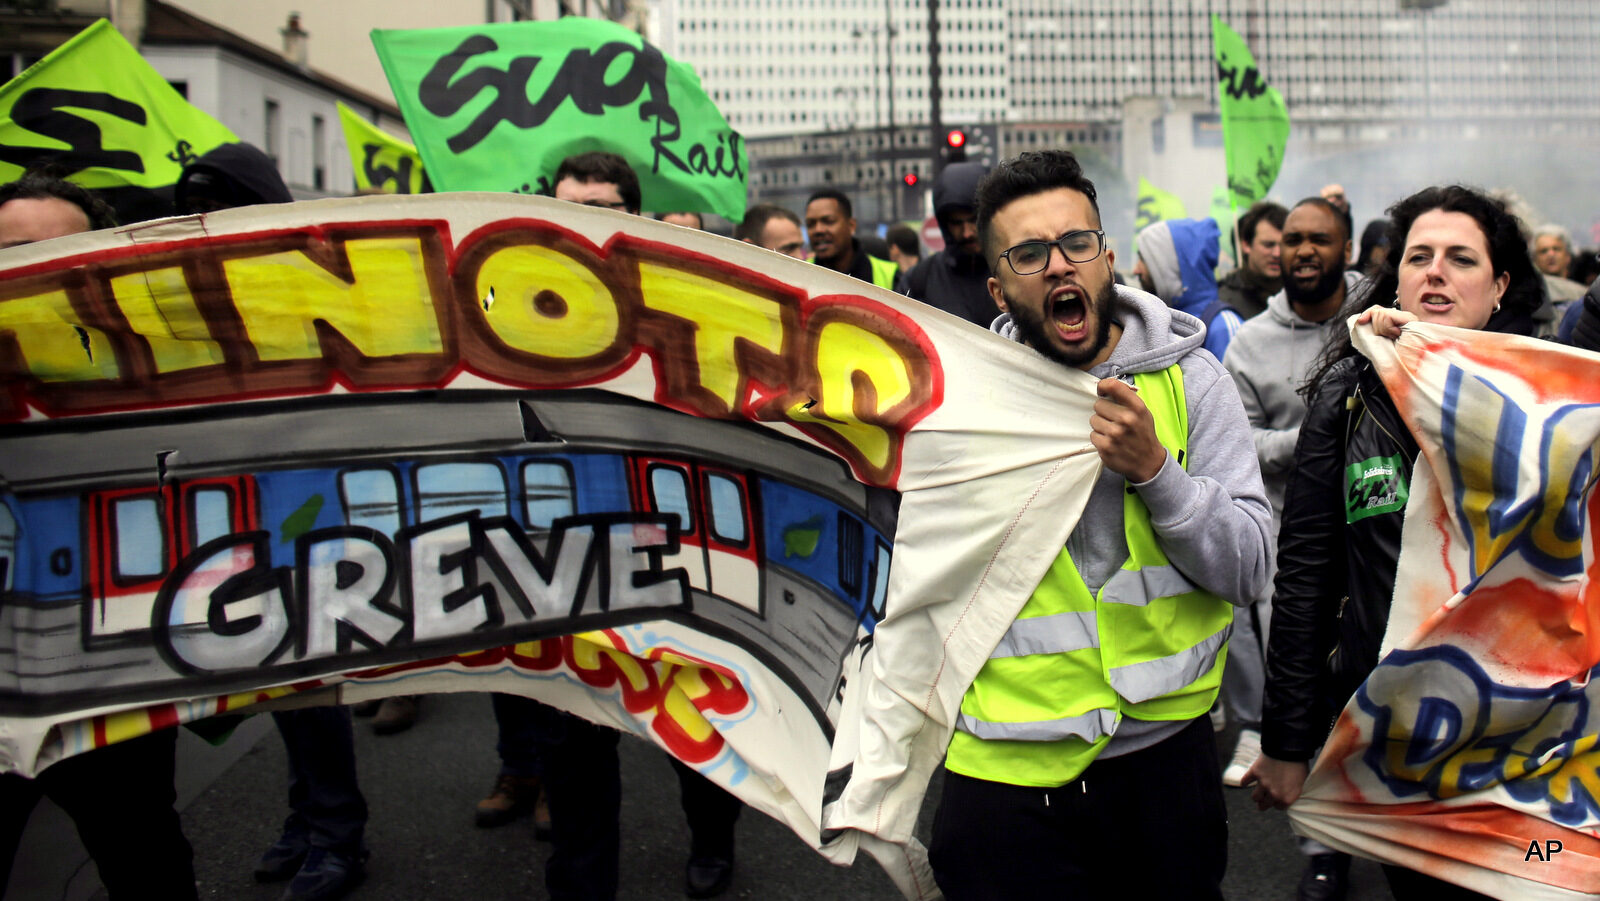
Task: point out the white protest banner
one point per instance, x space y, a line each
464 442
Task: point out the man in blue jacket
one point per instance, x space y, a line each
1177 263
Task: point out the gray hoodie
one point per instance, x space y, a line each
1211 518
1270 357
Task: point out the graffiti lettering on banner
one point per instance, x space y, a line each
352 587
349 444
525 303
1472 750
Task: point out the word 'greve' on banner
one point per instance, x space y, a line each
1255 122
383 164
95 111
498 107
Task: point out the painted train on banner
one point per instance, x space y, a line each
251 459
532 515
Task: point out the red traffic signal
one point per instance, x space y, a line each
956 138
910 179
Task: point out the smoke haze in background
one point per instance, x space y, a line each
1557 183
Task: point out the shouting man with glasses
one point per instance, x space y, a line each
1083 761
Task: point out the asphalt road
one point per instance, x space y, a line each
421 786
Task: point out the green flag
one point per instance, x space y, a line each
1222 212
1255 123
97 111
1221 209
1154 205
498 107
383 163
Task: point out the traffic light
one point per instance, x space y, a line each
910 178
955 145
971 142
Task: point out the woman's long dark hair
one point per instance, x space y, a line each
1508 253
1373 237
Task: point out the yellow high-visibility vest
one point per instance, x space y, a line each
1150 645
883 272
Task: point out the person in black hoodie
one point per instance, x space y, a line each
231 175
321 851
956 279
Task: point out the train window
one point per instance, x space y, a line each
8 548
880 580
446 489
213 509
727 509
669 488
547 493
850 554
140 542
371 499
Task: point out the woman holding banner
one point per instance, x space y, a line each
1456 258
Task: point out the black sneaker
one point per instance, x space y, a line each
1326 878
708 876
283 859
326 875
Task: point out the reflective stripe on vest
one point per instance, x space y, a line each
1057 634
1088 726
1139 586
1148 645
1139 682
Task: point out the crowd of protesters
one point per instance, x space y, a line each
1250 314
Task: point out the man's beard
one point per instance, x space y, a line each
841 249
1035 336
1321 290
1147 284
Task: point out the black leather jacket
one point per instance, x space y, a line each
1338 551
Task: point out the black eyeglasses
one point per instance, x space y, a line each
1030 257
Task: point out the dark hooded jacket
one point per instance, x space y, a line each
251 173
952 280
1581 326
1246 292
